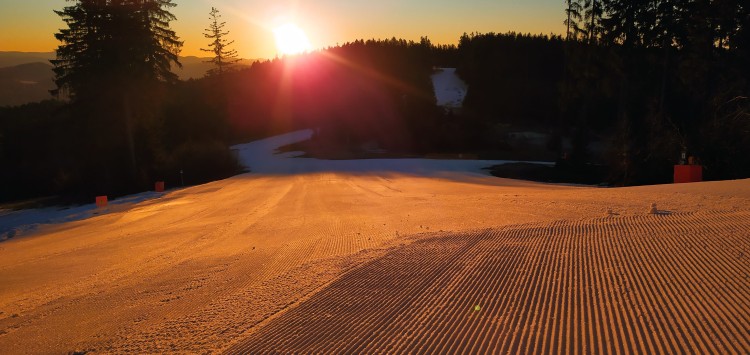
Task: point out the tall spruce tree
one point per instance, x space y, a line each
683 81
594 12
573 13
629 22
113 58
114 38
224 58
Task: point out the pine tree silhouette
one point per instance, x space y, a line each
224 58
114 57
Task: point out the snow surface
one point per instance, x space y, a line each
450 90
15 223
261 158
350 262
306 263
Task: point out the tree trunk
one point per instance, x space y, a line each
567 35
129 133
663 89
622 115
592 31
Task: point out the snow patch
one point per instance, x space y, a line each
260 157
450 90
17 223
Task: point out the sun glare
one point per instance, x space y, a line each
291 39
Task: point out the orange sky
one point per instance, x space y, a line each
30 25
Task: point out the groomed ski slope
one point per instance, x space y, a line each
372 256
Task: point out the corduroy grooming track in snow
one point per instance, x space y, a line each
382 256
641 284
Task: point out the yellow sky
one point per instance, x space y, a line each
30 25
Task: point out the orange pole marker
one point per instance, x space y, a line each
688 173
101 201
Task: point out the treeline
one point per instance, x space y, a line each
644 80
375 91
513 78
666 77
46 149
647 80
124 120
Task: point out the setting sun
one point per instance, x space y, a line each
291 39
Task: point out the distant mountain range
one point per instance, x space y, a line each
27 76
24 83
196 67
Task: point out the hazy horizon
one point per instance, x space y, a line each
30 26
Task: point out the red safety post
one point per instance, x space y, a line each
101 201
688 173
159 186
